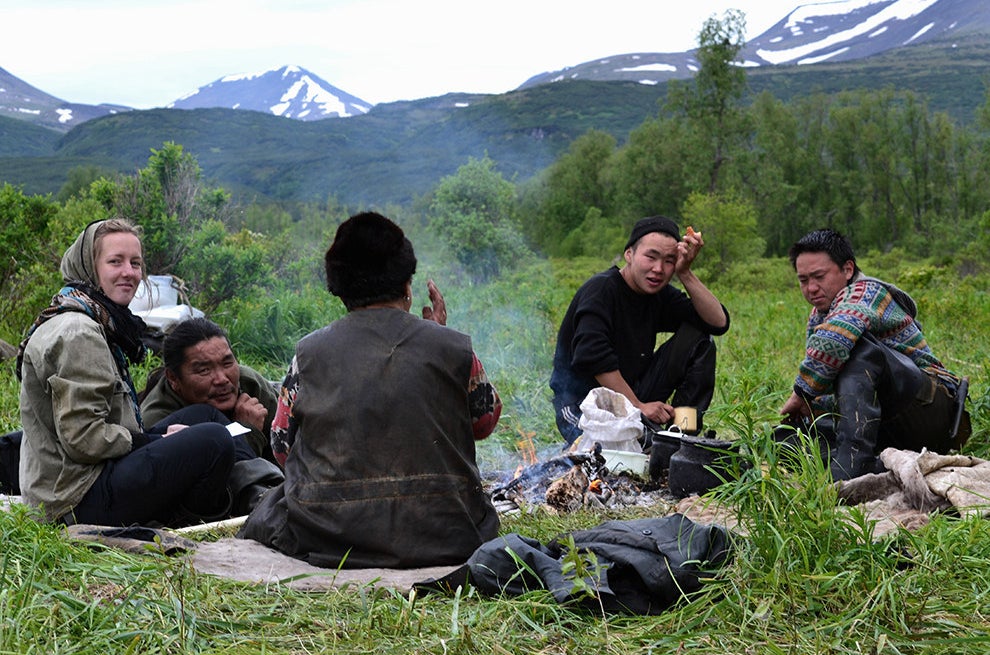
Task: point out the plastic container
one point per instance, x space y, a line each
162 318
619 461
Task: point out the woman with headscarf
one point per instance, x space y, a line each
377 421
85 457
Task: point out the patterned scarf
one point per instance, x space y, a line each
123 329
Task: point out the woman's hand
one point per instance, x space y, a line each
172 429
437 312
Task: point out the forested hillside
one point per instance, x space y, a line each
399 151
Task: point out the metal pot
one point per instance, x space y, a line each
700 464
664 444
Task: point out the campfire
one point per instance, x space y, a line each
570 481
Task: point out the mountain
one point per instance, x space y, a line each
20 100
396 152
289 91
818 33
832 32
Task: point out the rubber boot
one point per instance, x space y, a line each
249 480
875 383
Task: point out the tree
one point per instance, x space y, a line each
775 173
25 220
472 214
25 233
79 180
729 228
168 199
220 266
649 174
596 236
712 101
573 185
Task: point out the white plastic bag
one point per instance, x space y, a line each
607 417
157 303
157 292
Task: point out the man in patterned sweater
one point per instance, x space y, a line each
868 373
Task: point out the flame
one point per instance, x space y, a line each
526 447
527 450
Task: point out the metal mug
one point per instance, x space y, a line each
687 420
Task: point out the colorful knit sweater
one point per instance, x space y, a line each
866 305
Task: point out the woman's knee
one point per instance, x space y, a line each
206 440
198 413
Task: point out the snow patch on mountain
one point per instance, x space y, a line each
841 30
805 17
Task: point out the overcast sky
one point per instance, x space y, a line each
148 53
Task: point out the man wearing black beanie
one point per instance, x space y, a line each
608 336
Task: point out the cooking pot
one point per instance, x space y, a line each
700 464
664 443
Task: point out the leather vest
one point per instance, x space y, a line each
382 472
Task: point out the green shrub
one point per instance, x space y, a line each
763 274
264 327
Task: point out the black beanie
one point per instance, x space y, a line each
660 224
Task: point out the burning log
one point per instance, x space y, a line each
570 491
530 485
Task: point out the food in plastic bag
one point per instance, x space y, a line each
609 418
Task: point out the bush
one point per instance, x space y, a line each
219 266
264 327
770 274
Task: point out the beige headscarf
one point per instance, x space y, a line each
78 262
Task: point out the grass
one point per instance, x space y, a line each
807 578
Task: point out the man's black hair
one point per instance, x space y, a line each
185 334
838 248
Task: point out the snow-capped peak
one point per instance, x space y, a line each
289 91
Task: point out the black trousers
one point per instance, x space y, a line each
174 480
204 413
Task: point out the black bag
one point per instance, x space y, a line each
10 461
